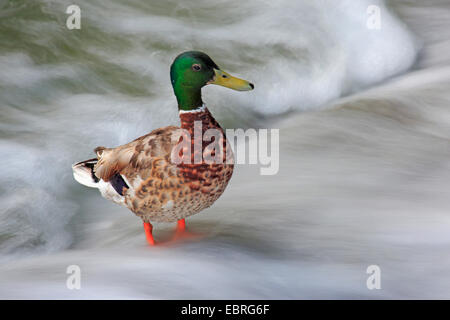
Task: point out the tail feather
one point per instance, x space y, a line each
83 172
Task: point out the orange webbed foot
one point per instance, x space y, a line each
182 233
148 233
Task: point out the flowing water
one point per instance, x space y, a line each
364 126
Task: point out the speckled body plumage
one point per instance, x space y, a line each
158 189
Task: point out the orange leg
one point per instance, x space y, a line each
148 233
181 225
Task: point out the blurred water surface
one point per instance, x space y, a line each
364 172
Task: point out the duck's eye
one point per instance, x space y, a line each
196 67
224 76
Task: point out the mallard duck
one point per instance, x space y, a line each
142 176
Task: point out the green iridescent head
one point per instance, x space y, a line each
191 71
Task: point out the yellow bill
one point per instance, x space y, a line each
225 79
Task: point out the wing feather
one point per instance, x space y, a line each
136 155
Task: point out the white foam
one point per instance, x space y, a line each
299 55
